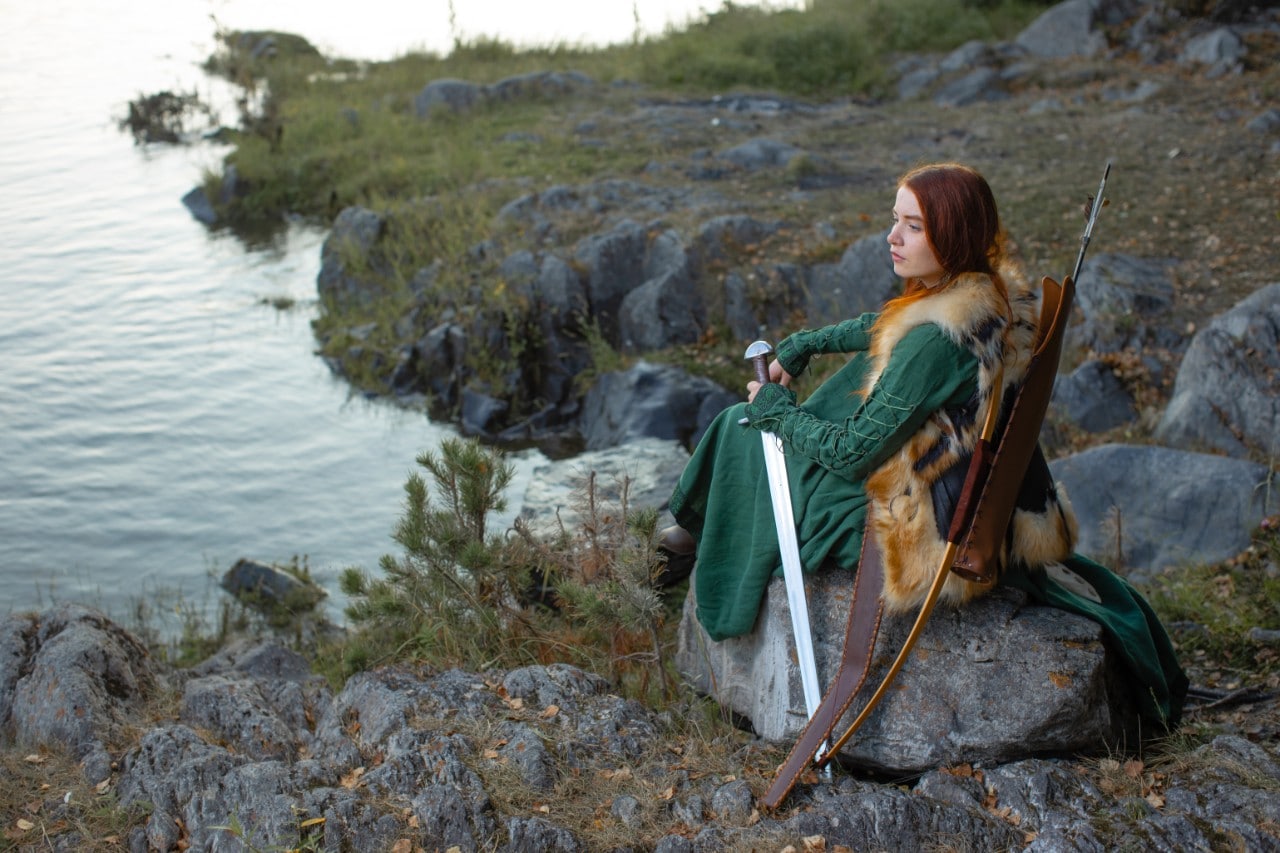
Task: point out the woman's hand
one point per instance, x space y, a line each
776 374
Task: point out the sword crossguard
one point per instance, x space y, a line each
758 354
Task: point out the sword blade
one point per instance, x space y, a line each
784 518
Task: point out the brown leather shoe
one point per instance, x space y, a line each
676 540
680 549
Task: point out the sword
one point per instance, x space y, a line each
784 517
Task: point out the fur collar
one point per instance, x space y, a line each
974 314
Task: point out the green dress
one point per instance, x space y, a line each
833 441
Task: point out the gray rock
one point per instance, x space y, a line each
524 750
1066 29
447 95
980 84
535 835
1174 507
357 230
966 57
627 810
652 466
774 294
992 681
481 412
200 206
443 813
886 817
1267 121
1124 303
666 311
762 153
1092 398
733 803
721 238
268 585
647 401
439 358
915 81
1220 50
863 280
197 202
81 679
170 768
17 646
739 314
1227 394
539 84
614 264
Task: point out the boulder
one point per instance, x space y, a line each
1227 394
1063 30
1161 507
356 230
268 587
614 262
1124 302
661 313
72 679
993 681
650 401
1092 398
863 280
651 466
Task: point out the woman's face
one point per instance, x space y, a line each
912 255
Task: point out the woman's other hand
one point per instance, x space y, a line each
776 375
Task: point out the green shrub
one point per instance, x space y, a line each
462 596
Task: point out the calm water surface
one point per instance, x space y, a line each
160 418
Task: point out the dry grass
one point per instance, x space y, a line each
45 797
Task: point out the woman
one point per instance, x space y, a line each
888 433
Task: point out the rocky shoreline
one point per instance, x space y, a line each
259 753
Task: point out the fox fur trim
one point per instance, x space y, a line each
972 312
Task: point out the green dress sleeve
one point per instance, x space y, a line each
926 372
852 335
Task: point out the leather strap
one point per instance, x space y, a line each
855 662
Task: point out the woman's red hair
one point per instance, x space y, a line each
960 216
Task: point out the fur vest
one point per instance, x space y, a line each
973 314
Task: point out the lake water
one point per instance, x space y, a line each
160 418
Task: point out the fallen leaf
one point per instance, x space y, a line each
34 759
24 824
814 843
350 780
549 712
311 821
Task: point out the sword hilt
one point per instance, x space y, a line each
758 354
